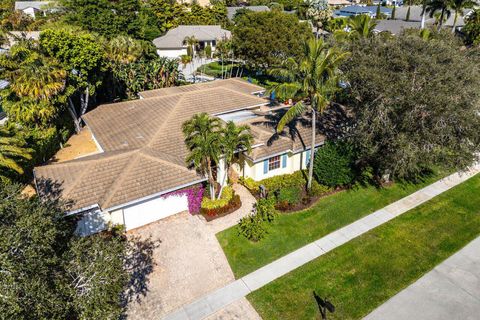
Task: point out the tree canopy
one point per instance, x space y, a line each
265 39
48 272
416 104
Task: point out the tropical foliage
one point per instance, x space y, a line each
424 116
265 39
312 83
472 28
12 151
48 272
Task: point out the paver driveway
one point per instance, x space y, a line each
189 264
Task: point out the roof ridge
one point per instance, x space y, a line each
164 161
115 185
162 126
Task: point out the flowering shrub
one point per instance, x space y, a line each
194 197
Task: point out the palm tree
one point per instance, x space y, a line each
191 43
361 26
312 82
434 6
458 6
202 138
12 149
123 50
234 139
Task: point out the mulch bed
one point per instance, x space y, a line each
232 206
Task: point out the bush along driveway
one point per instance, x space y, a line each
368 270
294 230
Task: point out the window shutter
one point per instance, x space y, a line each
284 160
265 166
307 157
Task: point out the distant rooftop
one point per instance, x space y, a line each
357 10
39 5
231 11
174 38
396 26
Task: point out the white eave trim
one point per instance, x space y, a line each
283 152
73 212
154 195
240 109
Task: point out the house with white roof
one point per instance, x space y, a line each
33 8
173 44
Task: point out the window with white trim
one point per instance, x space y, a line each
274 163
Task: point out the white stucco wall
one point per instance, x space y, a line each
295 162
152 210
172 53
91 222
29 12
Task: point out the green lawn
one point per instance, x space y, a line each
362 274
214 69
292 231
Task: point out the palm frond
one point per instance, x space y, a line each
291 114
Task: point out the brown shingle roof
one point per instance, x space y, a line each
233 83
143 143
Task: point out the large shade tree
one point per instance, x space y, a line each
50 273
265 39
312 82
416 104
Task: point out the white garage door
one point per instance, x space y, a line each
153 210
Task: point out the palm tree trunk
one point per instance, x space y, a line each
73 113
455 21
211 181
422 25
223 180
85 99
312 149
441 20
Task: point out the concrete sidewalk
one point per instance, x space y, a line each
217 300
450 291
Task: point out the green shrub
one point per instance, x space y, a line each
252 227
290 195
334 164
265 208
250 184
227 195
297 179
234 204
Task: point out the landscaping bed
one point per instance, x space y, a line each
365 272
289 232
214 209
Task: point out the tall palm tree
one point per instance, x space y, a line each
234 139
458 6
311 82
202 138
442 6
192 44
123 50
12 149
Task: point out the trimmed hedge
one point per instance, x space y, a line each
334 164
227 195
234 204
297 180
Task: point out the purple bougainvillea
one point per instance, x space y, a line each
194 196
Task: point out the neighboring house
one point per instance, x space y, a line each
3 115
231 11
173 45
140 173
358 10
396 26
339 3
33 8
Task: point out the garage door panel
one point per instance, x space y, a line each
152 210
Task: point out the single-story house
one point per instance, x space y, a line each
358 10
32 8
173 44
396 26
139 173
231 11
